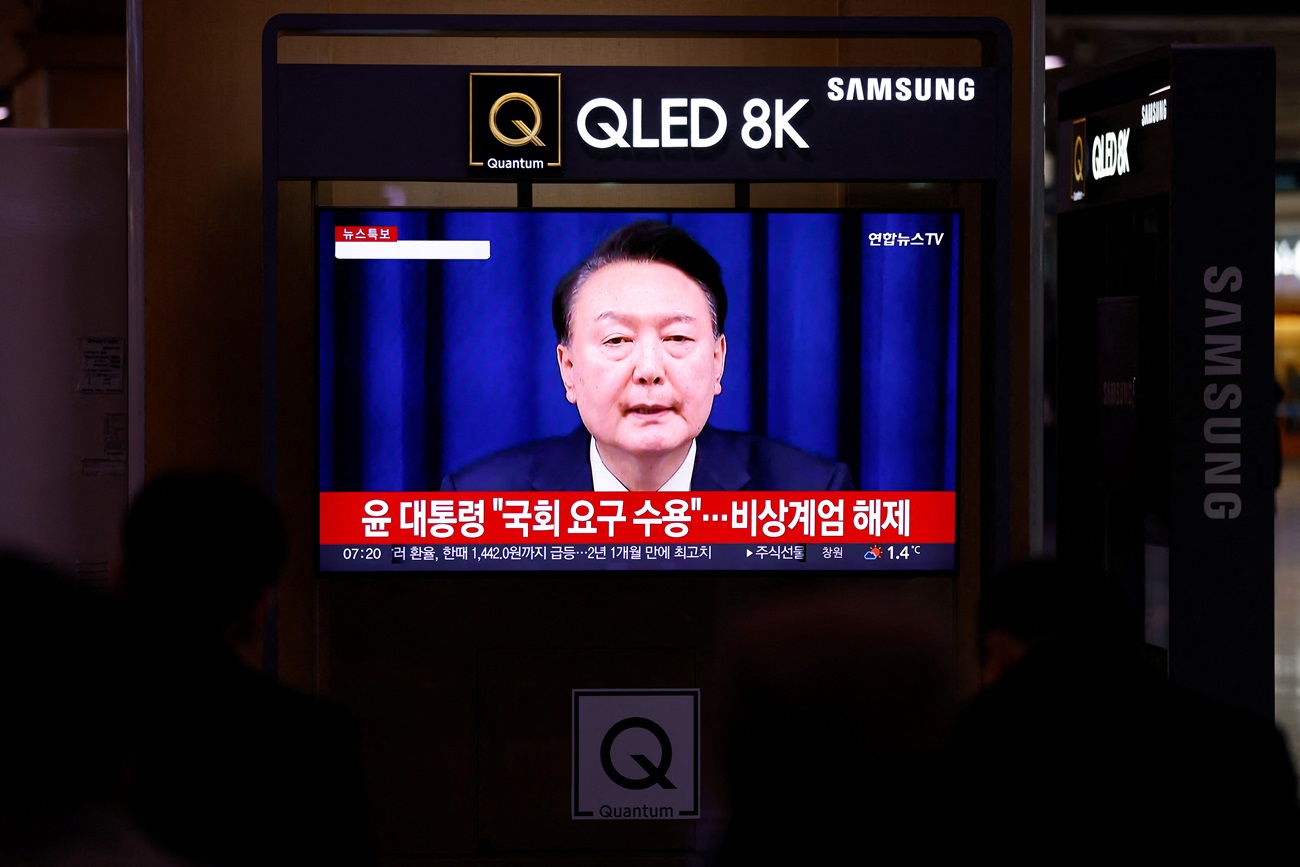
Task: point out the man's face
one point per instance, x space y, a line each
642 364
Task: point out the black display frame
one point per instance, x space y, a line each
1204 179
993 36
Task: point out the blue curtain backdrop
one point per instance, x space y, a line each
837 346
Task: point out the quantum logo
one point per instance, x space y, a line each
529 132
655 774
1079 160
514 121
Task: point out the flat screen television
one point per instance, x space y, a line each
438 351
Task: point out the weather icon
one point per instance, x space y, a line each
873 553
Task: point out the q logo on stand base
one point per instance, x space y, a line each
636 754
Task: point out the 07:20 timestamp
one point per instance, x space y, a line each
354 553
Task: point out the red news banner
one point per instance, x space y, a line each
702 517
365 233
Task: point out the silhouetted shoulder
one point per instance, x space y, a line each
234 767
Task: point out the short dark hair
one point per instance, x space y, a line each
200 547
1041 598
644 241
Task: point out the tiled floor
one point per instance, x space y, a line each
1286 610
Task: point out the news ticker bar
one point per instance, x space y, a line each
695 517
571 558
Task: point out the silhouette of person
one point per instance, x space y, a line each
231 766
1077 747
833 703
62 766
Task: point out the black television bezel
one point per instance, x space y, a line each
985 547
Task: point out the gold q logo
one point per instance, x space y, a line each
1078 158
529 135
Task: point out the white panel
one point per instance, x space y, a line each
412 249
63 441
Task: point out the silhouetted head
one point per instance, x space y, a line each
1039 601
200 549
833 702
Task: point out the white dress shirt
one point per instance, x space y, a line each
604 480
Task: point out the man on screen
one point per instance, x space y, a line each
641 354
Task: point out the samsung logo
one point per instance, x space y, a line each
1154 112
1119 392
1222 395
900 89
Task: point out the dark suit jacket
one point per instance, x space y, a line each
724 461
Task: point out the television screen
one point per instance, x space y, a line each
738 390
